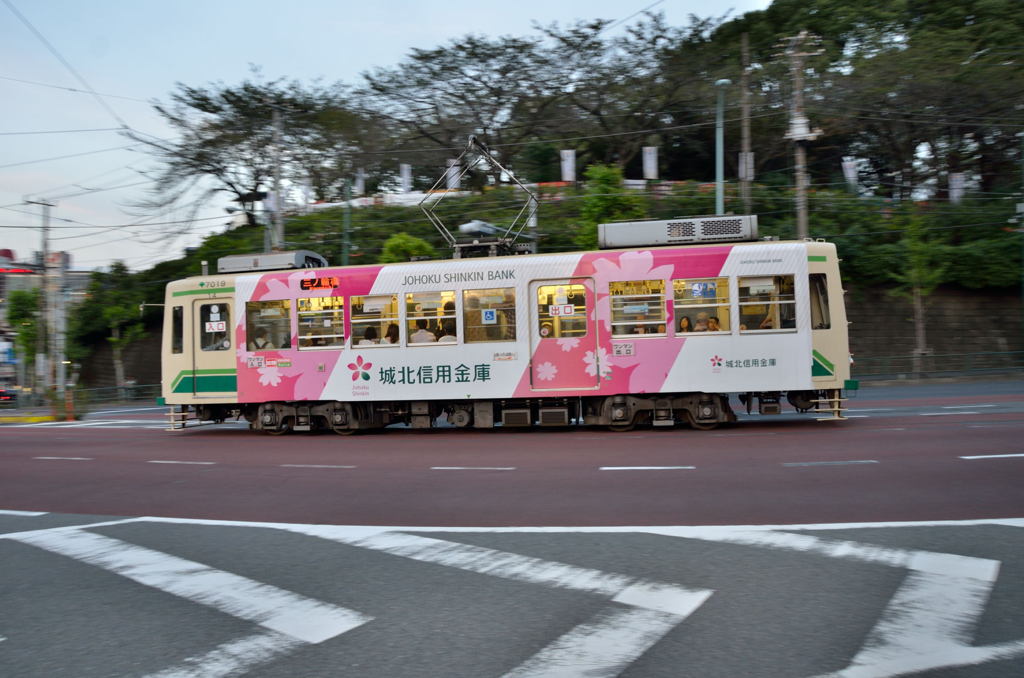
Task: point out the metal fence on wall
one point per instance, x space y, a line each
935 365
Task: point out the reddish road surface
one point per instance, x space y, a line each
898 459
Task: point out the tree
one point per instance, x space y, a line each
402 247
111 309
498 90
23 307
226 142
605 200
918 276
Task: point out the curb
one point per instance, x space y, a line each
28 419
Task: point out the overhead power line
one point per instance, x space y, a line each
66 63
72 89
64 131
72 155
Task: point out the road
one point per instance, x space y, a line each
775 547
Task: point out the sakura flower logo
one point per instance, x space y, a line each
598 363
269 376
568 344
716 362
546 371
360 369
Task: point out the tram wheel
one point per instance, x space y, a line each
623 428
286 427
344 431
700 425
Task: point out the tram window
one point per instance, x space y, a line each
214 323
427 314
372 317
820 318
489 315
767 303
268 325
562 311
177 329
701 305
321 322
638 307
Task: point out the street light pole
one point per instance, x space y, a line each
719 146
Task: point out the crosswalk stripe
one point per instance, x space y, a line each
294 615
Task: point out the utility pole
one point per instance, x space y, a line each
720 85
46 332
746 157
346 225
799 127
278 237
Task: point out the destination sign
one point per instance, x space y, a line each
328 283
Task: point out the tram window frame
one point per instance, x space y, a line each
555 326
502 300
433 307
685 304
637 308
360 319
316 314
212 313
821 317
177 329
272 315
774 300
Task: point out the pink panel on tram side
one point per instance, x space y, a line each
705 262
290 374
644 363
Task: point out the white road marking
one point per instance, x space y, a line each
600 648
943 414
233 658
830 463
648 468
993 456
857 416
198 463
965 407
65 458
294 615
871 409
31 514
135 409
313 466
102 422
928 624
472 468
603 646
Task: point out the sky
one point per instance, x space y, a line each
60 144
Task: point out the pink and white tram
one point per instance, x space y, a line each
656 334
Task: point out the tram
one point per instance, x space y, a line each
661 326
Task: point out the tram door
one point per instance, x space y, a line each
214 370
563 335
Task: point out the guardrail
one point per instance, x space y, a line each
937 365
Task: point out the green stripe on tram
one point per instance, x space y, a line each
212 291
816 257
205 381
821 366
